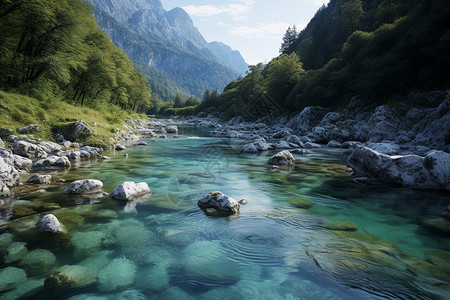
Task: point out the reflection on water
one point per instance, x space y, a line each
306 233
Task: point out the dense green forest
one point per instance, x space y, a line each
53 50
376 49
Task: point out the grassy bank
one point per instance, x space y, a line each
17 111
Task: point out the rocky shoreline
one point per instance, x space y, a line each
409 150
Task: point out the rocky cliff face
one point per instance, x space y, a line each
167 47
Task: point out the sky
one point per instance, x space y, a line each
254 27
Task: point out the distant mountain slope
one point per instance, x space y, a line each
229 56
166 47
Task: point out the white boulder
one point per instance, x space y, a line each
130 191
282 158
49 223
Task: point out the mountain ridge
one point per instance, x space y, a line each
166 46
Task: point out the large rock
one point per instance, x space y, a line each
27 149
8 177
68 278
76 131
52 162
249 148
216 203
49 223
432 171
308 118
29 129
282 158
130 191
434 130
40 179
172 129
11 278
85 186
382 125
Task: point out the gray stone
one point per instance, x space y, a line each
308 118
334 144
249 148
172 129
217 203
130 191
77 130
85 186
330 118
29 129
49 223
40 179
120 148
310 145
282 158
432 171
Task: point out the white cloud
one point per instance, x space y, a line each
236 10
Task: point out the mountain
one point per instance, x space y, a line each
229 56
167 48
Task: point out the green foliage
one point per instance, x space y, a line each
53 49
378 50
23 110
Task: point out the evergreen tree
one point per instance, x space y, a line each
289 38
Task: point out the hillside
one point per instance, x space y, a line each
53 52
167 48
378 50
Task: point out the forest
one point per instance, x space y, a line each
53 50
378 50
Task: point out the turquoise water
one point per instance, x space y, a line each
306 233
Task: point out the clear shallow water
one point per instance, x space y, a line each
306 233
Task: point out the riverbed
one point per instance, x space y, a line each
307 232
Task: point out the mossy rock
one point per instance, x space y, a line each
38 262
300 202
339 225
440 259
69 277
22 211
440 226
69 218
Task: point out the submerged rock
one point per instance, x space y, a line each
14 252
69 277
117 275
11 278
282 158
216 203
38 262
40 179
432 171
49 223
207 261
85 186
130 190
300 202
